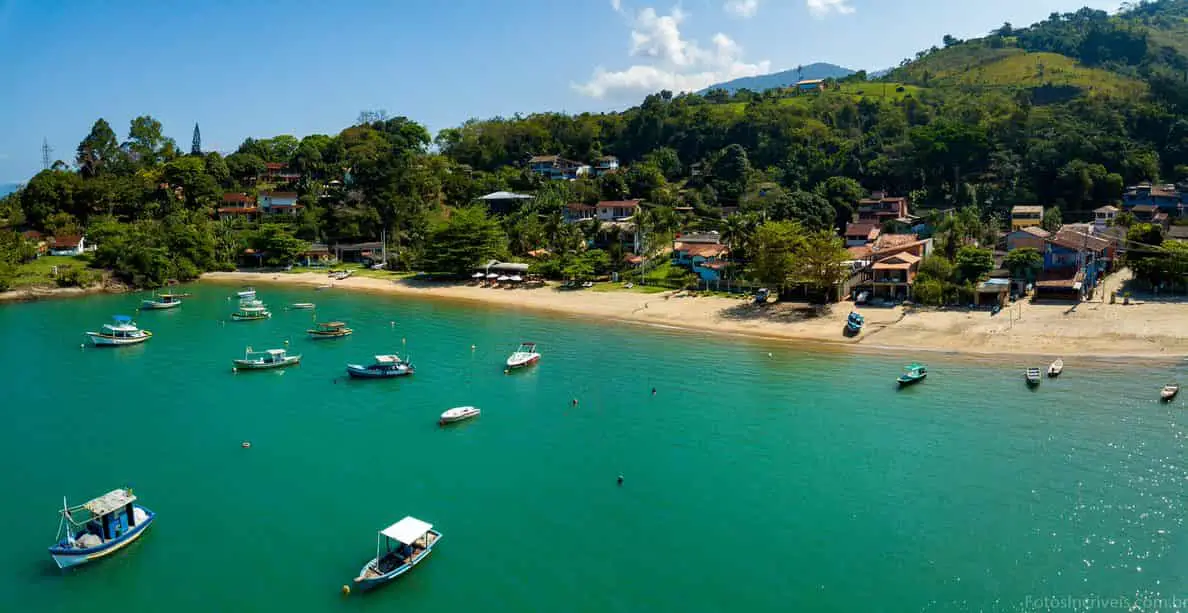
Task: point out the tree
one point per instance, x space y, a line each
776 245
463 241
189 173
842 193
147 142
812 211
245 167
98 150
822 261
196 142
738 232
936 267
1052 219
612 186
217 168
1024 263
973 262
279 246
644 180
731 173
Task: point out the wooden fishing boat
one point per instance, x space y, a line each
254 312
330 329
1055 368
1169 392
525 355
264 360
912 374
161 302
302 305
122 332
458 414
99 527
398 549
1032 376
384 367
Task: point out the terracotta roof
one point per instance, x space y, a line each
578 206
1145 208
899 261
241 210
1027 208
273 165
1106 209
633 259
1165 193
543 158
233 197
536 253
860 252
1072 239
892 241
705 250
67 241
278 195
32 234
1060 278
1035 231
866 230
623 204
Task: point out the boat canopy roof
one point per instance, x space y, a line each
111 501
253 308
123 319
386 359
333 324
407 530
275 352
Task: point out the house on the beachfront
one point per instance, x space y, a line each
861 233
318 254
880 208
878 269
1032 237
1103 217
704 254
365 253
605 165
1074 263
502 203
892 276
241 206
557 168
68 244
1026 215
279 203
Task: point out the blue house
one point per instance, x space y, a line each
1167 198
1074 262
702 254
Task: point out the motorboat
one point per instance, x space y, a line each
458 414
122 331
912 374
252 310
384 367
525 355
264 360
161 302
1169 392
99 528
1032 375
330 329
398 549
1055 368
305 306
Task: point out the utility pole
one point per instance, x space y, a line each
46 150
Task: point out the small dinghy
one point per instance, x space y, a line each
1169 391
302 305
1032 376
1056 368
458 414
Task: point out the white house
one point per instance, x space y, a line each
1103 217
68 245
617 210
279 203
605 164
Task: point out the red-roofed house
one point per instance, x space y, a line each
68 244
557 167
880 208
33 237
893 275
275 172
706 259
1028 236
861 233
238 205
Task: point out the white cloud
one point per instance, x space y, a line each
676 63
742 8
822 8
617 5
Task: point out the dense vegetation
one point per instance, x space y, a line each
1064 113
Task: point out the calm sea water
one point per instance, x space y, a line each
799 481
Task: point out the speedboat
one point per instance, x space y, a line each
912 374
161 302
121 332
1169 391
264 360
302 305
99 528
398 549
246 294
1032 375
457 414
331 329
1056 368
526 355
385 366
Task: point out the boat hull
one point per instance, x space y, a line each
103 340
369 583
238 317
513 364
453 418
328 335
361 372
906 381
250 365
149 305
304 306
67 557
1168 395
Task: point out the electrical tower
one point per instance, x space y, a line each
46 150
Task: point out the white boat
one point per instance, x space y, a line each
265 360
457 414
414 541
251 311
1056 368
1169 391
122 332
161 302
246 294
303 305
526 355
1032 375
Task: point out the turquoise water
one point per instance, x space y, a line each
802 481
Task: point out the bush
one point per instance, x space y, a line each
71 276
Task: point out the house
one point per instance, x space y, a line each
606 165
992 291
68 244
703 254
809 86
1026 215
1103 217
1144 212
238 205
624 232
1073 263
577 211
861 233
359 252
318 254
1165 197
1177 233
277 173
880 208
892 276
279 203
1030 236
617 210
33 237
557 168
502 203
889 243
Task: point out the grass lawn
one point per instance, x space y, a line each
619 287
356 270
40 271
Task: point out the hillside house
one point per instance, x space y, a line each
280 174
616 210
557 168
577 211
1103 217
1030 236
1026 215
809 86
279 203
68 244
502 203
861 233
238 206
606 165
880 208
1166 198
33 237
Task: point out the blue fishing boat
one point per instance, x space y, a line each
398 548
912 374
385 366
854 323
99 528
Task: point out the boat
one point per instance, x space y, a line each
99 527
341 274
121 332
264 360
912 373
1033 376
246 294
302 305
1055 368
854 323
330 329
398 548
385 366
251 311
526 355
161 302
1169 391
458 414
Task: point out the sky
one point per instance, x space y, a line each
253 68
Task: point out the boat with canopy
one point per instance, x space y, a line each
330 329
264 360
384 367
122 331
398 548
161 302
99 527
912 374
251 310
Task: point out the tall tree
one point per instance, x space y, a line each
462 242
98 150
776 245
196 143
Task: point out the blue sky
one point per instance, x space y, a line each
253 68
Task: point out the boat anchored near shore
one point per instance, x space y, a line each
384 367
99 528
264 360
122 332
526 355
398 549
161 302
331 329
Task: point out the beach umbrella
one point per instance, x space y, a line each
477 275
501 278
492 276
515 278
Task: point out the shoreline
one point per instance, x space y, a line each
35 294
1090 330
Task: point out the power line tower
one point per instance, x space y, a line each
46 150
196 146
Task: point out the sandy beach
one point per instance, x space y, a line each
1146 329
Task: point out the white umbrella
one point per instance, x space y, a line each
515 278
477 275
501 278
492 276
